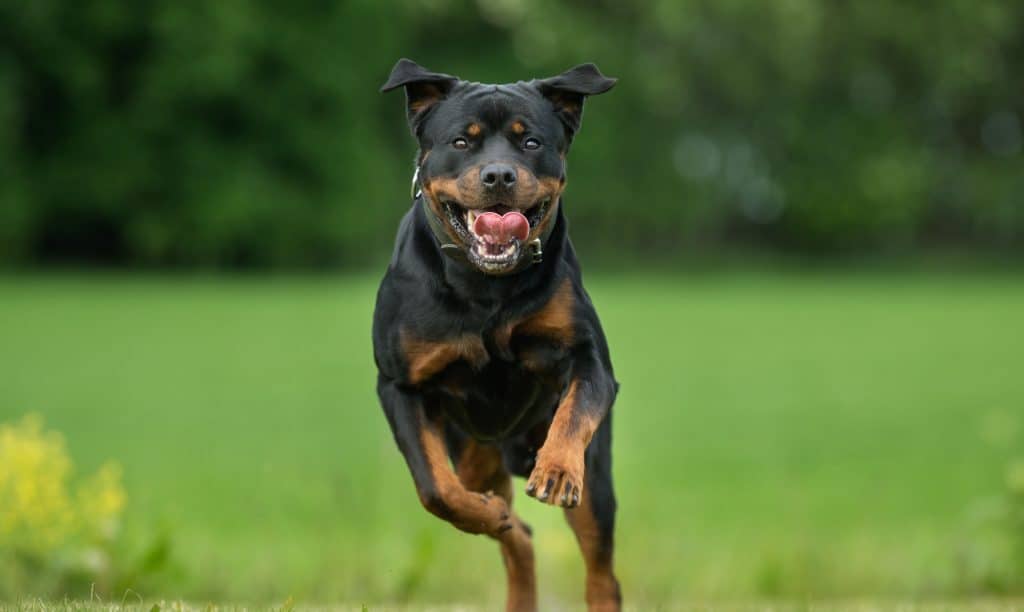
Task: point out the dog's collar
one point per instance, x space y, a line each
535 252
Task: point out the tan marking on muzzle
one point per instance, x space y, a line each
469 192
549 188
437 190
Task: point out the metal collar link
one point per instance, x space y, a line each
414 192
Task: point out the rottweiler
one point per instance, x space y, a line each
491 360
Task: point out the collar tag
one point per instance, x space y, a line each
536 252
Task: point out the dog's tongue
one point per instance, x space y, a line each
499 229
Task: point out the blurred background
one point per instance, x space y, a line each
802 223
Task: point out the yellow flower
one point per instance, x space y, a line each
37 511
100 501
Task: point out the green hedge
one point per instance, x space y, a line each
251 134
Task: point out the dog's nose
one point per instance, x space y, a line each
498 176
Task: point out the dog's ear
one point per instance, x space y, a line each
568 90
423 88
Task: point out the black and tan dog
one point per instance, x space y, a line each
490 355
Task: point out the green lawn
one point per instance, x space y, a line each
781 436
859 605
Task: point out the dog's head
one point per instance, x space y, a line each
492 157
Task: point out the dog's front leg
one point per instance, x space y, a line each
557 476
420 438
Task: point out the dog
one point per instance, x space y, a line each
491 360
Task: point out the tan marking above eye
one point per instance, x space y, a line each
474 129
518 127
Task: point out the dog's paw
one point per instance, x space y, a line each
483 513
557 479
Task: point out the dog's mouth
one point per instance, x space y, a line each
495 236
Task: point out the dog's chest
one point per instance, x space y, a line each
493 393
512 350
534 342
499 378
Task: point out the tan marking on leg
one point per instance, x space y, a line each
468 511
602 590
517 553
436 451
425 358
558 474
480 468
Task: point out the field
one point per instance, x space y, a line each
784 436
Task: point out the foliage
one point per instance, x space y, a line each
252 134
49 532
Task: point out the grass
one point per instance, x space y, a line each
981 605
779 436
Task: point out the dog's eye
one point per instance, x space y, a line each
531 144
460 143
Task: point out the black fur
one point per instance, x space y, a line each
430 296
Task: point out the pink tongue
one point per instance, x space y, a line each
499 229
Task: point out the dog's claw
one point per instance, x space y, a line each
556 483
